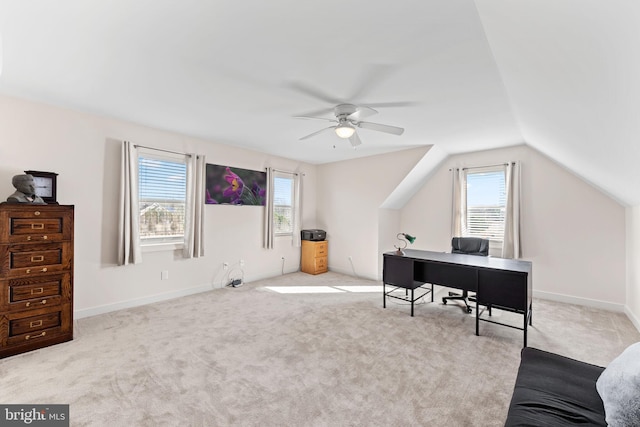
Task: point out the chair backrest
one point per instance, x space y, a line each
470 246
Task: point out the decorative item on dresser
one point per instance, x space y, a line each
314 256
36 276
46 186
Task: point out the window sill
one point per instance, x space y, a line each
160 247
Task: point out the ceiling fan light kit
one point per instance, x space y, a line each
345 131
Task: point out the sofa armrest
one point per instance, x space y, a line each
553 390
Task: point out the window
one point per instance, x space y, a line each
486 204
283 204
162 197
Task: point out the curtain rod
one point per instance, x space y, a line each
487 166
281 171
160 149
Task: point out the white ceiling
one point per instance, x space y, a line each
560 75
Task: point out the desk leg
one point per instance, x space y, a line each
525 330
477 319
384 295
411 302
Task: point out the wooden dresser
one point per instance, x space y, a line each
36 276
314 256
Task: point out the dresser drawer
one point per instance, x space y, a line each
321 249
45 325
49 223
34 324
315 249
316 266
31 292
36 258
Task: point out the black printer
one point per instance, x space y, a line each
314 235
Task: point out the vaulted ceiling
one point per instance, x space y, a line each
560 75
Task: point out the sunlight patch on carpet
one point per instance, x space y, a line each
323 289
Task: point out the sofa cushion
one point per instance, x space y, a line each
553 390
619 388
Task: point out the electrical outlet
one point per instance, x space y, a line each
164 275
225 265
241 263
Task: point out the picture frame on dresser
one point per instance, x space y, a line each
46 185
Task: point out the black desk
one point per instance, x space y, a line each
497 282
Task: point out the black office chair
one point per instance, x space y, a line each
469 246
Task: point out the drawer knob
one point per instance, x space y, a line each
36 213
28 337
44 237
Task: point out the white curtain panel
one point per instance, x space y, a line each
297 220
459 202
129 251
511 240
268 213
194 215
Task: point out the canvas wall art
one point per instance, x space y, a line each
228 185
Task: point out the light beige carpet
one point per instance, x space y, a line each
254 356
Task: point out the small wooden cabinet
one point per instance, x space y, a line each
36 276
314 256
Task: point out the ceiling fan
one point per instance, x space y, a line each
347 118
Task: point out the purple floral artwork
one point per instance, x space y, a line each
235 186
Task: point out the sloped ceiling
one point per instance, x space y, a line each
571 69
468 75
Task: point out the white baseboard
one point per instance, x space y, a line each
94 311
632 317
620 308
352 274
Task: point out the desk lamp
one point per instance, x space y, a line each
408 238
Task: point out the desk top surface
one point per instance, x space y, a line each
515 265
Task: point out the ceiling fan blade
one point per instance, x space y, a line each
321 112
314 93
355 140
315 118
317 132
373 76
381 128
362 113
392 104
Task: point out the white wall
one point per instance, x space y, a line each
349 196
84 150
573 233
633 265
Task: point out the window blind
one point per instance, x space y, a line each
283 205
162 198
486 204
